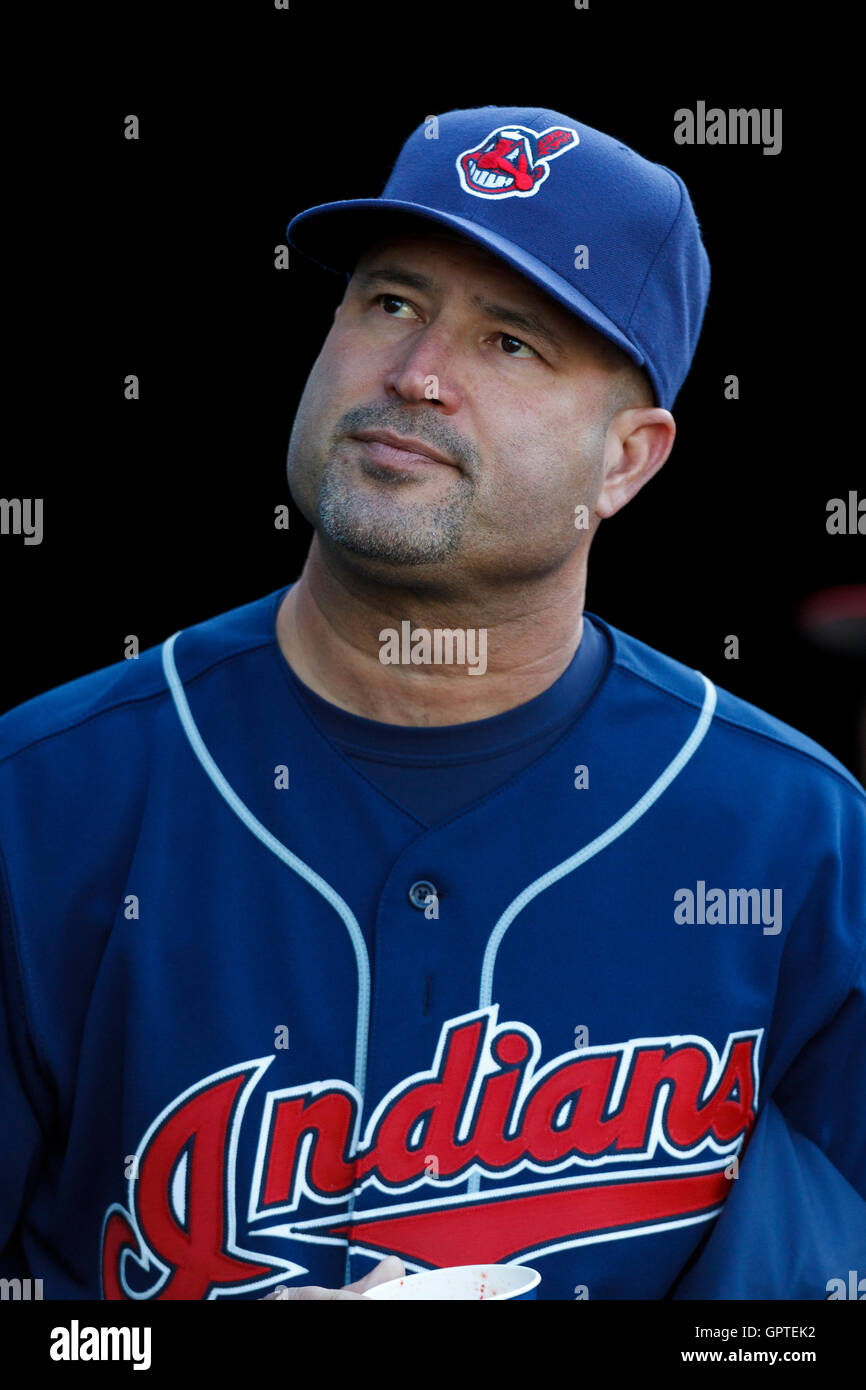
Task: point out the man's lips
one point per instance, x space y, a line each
400 451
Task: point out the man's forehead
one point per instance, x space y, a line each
409 248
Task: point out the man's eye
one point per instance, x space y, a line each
387 300
392 304
511 345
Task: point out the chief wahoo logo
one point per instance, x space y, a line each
513 161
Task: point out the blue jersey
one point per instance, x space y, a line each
261 1026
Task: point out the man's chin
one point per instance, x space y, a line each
385 545
393 528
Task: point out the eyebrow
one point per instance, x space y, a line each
514 318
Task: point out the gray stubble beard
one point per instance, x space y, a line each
422 536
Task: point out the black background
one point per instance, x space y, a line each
156 257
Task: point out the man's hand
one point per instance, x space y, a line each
389 1268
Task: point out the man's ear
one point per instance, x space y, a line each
636 445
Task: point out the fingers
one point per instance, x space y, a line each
389 1268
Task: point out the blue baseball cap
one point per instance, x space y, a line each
608 234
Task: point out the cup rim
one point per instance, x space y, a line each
533 1281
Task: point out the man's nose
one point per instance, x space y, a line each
425 370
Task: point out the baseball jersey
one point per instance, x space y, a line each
262 1027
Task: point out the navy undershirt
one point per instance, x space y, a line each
435 771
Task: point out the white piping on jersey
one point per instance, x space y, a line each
485 997
673 769
362 1026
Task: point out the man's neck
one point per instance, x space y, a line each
329 625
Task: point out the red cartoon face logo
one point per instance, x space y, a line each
513 161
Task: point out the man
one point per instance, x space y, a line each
413 916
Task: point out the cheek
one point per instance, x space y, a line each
539 451
349 356
341 376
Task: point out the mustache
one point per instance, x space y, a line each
429 429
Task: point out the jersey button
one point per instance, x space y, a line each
420 892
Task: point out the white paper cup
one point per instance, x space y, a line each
478 1283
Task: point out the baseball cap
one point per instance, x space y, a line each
610 235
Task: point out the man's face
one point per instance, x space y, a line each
437 340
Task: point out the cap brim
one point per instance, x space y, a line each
334 234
